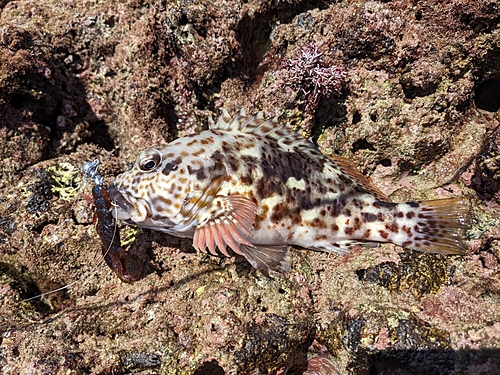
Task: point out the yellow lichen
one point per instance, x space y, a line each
128 235
66 180
200 290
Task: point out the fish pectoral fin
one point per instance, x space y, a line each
229 222
268 257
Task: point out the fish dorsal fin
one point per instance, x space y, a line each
349 168
270 128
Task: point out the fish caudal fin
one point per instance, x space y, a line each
438 226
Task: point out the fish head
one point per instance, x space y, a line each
166 189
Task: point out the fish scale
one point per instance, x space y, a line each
254 186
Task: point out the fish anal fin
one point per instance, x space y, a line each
268 257
365 244
229 222
349 168
345 246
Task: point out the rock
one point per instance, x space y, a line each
405 90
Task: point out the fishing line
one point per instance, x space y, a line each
89 169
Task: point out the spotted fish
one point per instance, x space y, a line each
253 186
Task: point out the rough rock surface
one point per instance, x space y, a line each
407 90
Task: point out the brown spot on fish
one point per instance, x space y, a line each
410 215
392 227
246 180
318 223
169 167
383 234
199 152
407 230
199 172
380 204
371 218
233 164
357 223
278 213
296 217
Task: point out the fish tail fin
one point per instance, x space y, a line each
438 226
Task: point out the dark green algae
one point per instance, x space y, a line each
418 272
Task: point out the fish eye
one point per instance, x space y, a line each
150 161
148 165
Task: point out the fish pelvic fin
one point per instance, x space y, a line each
439 226
268 257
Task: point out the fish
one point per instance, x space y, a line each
252 186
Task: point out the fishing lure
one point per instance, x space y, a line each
126 266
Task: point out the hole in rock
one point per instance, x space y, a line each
356 117
488 95
386 162
209 368
362 144
17 101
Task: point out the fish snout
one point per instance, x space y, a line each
122 209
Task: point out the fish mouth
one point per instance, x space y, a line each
127 208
